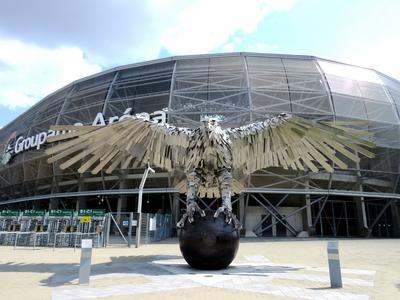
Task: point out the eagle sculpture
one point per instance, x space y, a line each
210 155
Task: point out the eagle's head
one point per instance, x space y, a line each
210 122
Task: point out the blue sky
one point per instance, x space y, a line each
48 43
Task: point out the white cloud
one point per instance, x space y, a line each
28 72
125 31
381 54
46 46
261 47
228 47
236 45
206 24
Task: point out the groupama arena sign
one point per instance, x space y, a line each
17 144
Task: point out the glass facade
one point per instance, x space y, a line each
243 87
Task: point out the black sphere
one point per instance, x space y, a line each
209 243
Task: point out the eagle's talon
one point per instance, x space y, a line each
181 222
229 216
192 208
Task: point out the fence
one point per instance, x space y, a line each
67 228
154 227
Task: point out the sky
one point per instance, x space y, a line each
46 44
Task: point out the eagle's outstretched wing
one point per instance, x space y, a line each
129 143
293 142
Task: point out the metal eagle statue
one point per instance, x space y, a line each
209 155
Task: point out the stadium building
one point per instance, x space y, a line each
243 87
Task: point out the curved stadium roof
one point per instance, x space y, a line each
244 87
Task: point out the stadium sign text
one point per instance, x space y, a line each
16 145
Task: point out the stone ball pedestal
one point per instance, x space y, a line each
209 243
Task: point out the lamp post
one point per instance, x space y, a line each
140 200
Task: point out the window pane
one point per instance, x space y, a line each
307 91
378 111
209 86
268 85
347 106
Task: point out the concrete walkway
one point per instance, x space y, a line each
263 269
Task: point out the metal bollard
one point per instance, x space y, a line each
334 264
130 229
86 260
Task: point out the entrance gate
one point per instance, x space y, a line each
122 228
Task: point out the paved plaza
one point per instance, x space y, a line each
263 269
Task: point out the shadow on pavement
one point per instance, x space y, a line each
66 273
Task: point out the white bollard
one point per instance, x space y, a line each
334 264
86 260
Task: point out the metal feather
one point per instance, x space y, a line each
283 141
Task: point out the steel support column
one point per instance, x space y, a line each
276 211
277 205
378 217
308 214
279 219
122 199
176 202
292 213
395 210
241 208
360 204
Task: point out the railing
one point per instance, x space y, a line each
110 229
154 227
